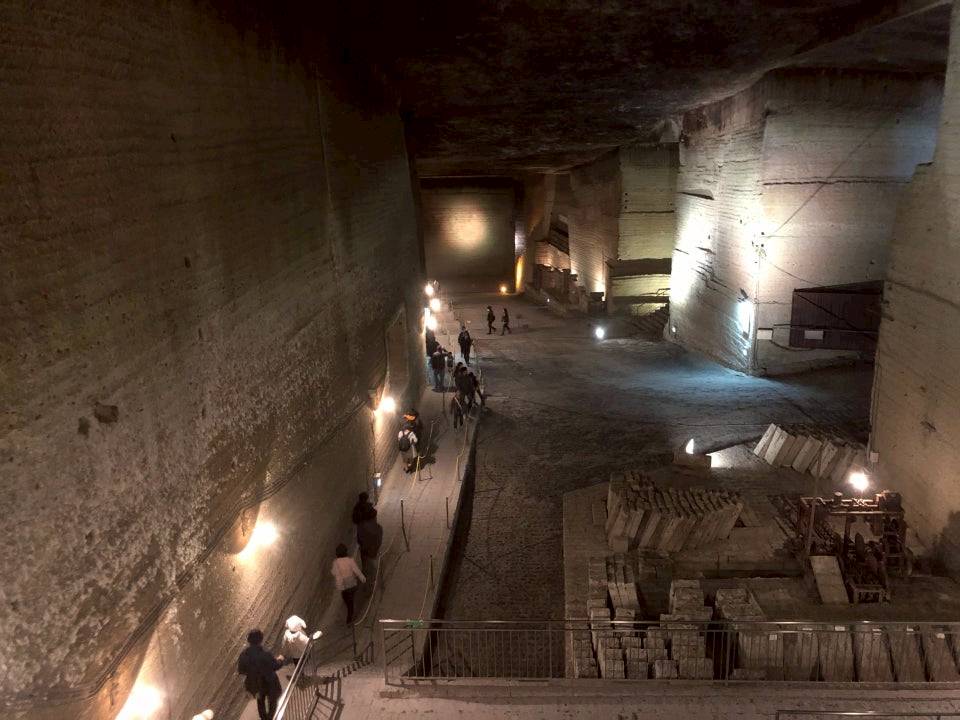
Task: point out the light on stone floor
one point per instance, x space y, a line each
143 702
859 481
435 304
689 447
599 332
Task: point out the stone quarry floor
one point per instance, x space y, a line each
565 410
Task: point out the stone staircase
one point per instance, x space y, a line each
652 325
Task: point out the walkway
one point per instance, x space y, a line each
408 574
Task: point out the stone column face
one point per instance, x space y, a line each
916 420
204 243
791 184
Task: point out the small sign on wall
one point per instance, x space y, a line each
764 333
813 334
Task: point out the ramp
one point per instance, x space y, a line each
826 571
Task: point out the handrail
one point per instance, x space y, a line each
889 654
879 715
290 690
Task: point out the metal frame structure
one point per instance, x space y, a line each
888 654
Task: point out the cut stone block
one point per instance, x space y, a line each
791 454
637 670
835 654
938 658
804 458
800 654
665 669
695 668
764 443
776 445
905 654
872 655
826 573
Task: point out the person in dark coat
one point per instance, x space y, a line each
464 385
438 364
361 511
505 319
474 386
465 342
369 538
259 669
491 318
456 409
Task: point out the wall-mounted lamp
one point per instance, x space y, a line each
431 323
435 304
143 702
688 448
599 332
859 481
503 289
386 405
428 290
205 715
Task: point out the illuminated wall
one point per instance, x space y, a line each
594 221
793 183
916 426
469 232
203 244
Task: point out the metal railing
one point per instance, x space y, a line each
874 714
312 694
300 697
888 653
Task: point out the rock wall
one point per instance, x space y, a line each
916 392
647 226
594 221
209 252
793 183
469 232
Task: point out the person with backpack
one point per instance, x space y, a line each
347 577
259 669
491 318
407 445
506 322
438 364
465 342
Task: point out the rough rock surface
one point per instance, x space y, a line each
915 418
202 245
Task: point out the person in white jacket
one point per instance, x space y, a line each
295 639
346 574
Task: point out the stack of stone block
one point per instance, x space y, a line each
821 454
642 515
584 661
759 652
622 588
683 628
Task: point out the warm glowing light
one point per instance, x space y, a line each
503 289
378 479
435 304
428 289
519 274
688 448
387 405
431 323
317 634
859 481
599 333
264 534
467 229
673 329
143 702
205 715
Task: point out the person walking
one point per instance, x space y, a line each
438 365
362 509
474 391
259 669
369 538
465 342
491 318
295 640
347 577
456 409
407 441
505 319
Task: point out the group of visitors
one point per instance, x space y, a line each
504 321
411 440
466 391
258 666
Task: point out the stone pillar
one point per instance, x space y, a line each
916 421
